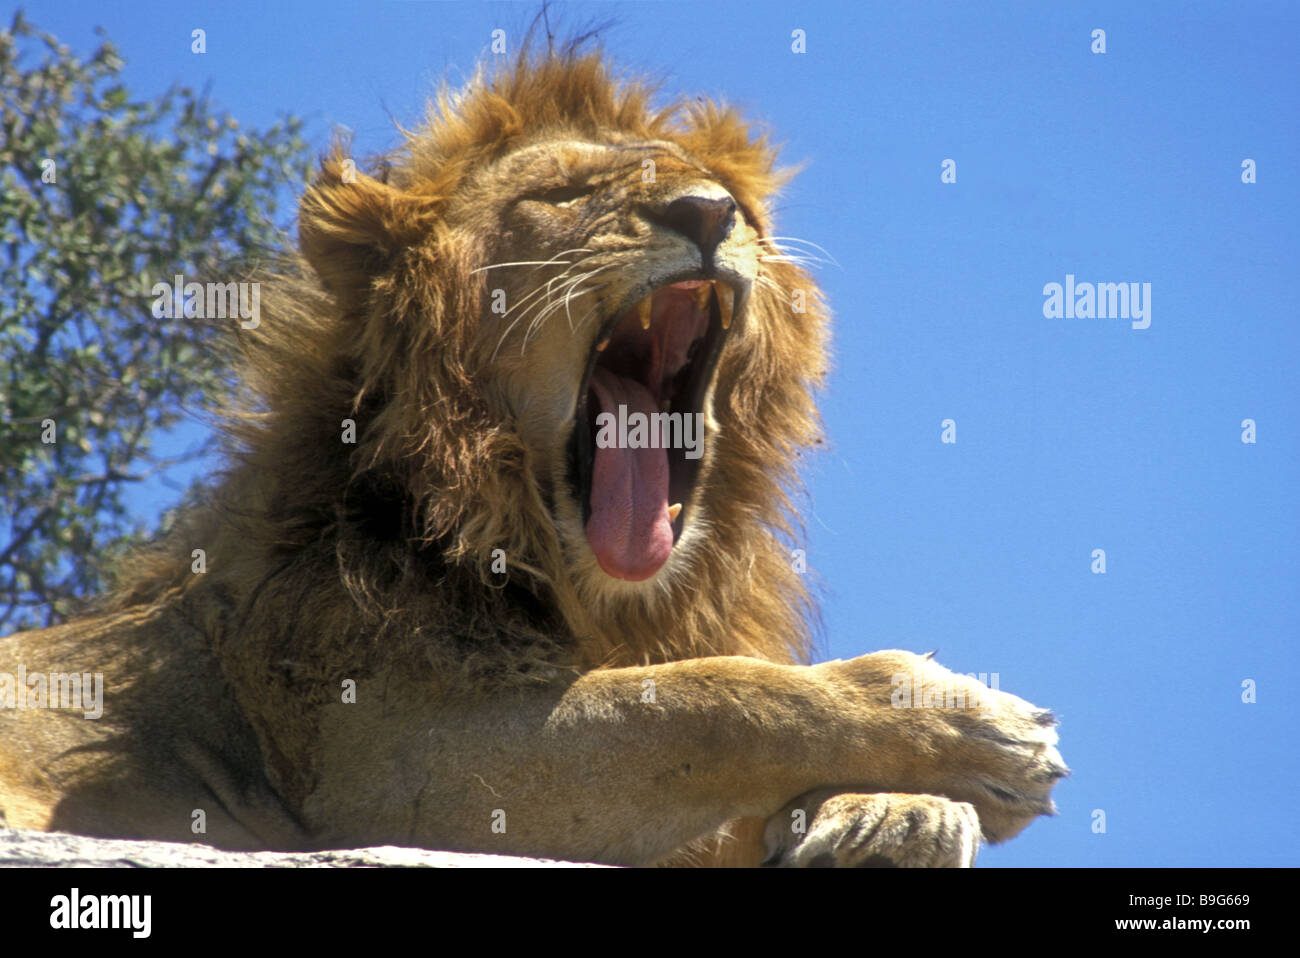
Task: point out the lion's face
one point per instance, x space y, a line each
570 338
622 266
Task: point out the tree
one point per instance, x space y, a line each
101 197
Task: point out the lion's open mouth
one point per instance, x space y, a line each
638 431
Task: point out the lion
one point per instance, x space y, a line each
444 596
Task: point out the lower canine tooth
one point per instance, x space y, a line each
726 302
600 346
674 511
643 312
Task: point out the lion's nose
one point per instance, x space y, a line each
705 221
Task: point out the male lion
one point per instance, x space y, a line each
449 599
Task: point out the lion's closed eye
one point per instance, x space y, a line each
561 195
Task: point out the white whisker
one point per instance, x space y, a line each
522 262
538 291
777 242
554 305
540 305
785 258
570 293
536 262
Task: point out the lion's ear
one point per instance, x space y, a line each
350 227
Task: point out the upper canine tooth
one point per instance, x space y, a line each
726 302
702 295
643 311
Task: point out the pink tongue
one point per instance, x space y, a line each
629 528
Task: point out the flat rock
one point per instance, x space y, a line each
26 849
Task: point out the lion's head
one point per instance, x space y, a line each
551 247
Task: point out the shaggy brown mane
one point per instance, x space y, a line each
387 544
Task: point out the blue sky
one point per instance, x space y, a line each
1072 434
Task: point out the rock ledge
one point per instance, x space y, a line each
26 849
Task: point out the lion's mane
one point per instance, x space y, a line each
326 559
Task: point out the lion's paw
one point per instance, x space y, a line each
883 830
1007 762
971 743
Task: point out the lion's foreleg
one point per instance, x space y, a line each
627 765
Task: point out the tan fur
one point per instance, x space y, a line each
516 699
